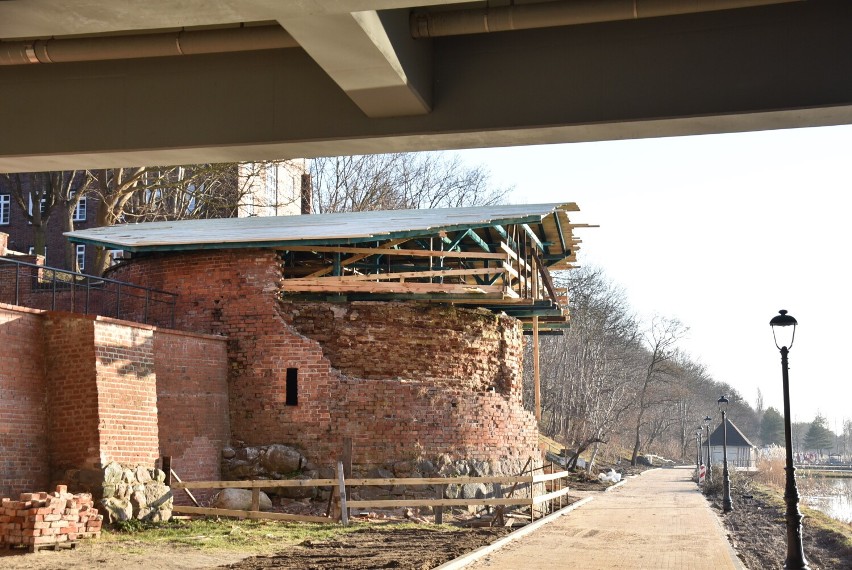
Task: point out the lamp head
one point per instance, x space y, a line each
698 432
707 420
723 404
780 323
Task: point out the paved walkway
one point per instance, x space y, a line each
657 521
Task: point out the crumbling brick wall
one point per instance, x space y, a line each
469 348
441 405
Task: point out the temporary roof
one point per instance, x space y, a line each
324 229
498 257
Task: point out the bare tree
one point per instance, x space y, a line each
399 181
585 373
660 340
40 195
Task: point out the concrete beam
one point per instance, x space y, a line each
385 72
773 67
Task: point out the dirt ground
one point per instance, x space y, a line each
402 549
758 533
382 547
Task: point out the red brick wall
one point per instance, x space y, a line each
23 418
79 391
72 399
428 412
127 393
448 345
192 404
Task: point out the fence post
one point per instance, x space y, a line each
439 510
166 466
255 499
344 515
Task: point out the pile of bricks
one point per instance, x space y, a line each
44 520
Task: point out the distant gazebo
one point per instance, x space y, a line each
742 454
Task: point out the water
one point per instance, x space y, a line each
832 496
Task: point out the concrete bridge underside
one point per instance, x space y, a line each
357 82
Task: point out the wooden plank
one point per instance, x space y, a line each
187 491
416 274
436 502
255 499
439 510
248 514
388 251
356 258
536 377
262 484
328 284
550 476
510 270
548 496
441 480
344 508
546 278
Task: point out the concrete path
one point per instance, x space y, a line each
657 521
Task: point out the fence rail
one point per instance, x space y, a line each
47 288
538 485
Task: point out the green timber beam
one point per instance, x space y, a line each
533 236
560 231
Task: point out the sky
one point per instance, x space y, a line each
720 232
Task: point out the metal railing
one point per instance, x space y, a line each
47 288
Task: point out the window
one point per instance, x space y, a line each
5 205
115 255
80 210
292 389
272 189
31 251
81 257
43 204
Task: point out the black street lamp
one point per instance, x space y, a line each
795 554
698 455
727 506
707 420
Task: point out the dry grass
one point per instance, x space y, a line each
770 471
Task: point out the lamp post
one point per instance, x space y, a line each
707 420
795 554
699 455
727 506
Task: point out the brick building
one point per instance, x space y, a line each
401 331
255 189
14 221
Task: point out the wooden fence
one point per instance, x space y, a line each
544 488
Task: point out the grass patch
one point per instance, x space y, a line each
814 520
258 536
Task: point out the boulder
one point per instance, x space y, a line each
118 509
297 492
282 459
239 500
